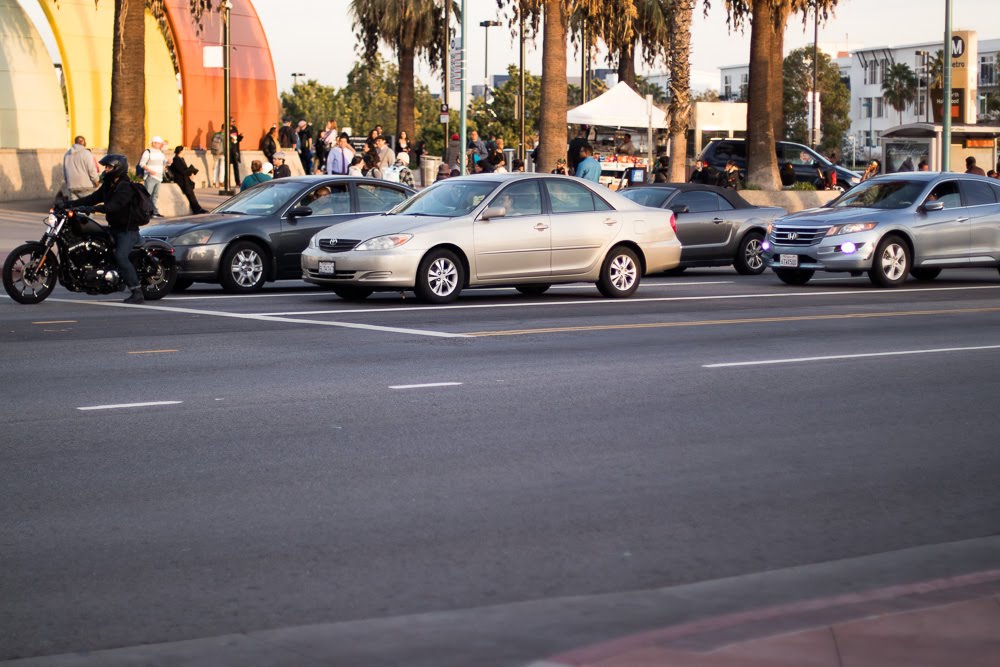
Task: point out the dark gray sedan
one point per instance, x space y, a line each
259 235
716 226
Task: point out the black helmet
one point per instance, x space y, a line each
118 164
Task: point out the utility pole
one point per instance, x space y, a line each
522 152
815 90
946 102
463 113
446 91
583 61
227 5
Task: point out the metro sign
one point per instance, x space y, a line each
957 47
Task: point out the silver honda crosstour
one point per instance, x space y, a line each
524 230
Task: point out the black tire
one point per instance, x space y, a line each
749 259
891 262
794 276
676 271
925 274
533 290
20 279
352 293
244 268
620 273
159 277
182 284
440 277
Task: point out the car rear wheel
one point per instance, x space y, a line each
352 293
794 276
891 263
620 273
243 268
750 255
440 277
925 274
532 290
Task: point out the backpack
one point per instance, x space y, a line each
216 146
391 174
139 171
141 210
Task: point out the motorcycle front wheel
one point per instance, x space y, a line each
23 280
158 277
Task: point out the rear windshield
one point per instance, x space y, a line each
653 197
881 194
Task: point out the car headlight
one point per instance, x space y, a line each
314 242
196 237
850 228
386 242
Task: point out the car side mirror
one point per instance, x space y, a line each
494 212
934 206
300 212
679 209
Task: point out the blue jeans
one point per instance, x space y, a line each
153 188
124 242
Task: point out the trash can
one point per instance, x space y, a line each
508 158
428 169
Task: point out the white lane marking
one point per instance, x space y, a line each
270 318
829 280
585 286
210 297
129 405
867 355
656 299
423 386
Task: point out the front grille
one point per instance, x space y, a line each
797 236
338 245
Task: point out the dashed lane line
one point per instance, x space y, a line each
120 406
152 351
425 385
56 322
865 355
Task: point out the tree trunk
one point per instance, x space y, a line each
762 161
406 97
680 87
128 82
626 64
778 79
552 124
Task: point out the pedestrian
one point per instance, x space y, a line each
454 149
871 171
267 169
269 143
386 158
357 163
499 162
923 166
417 152
370 141
787 173
560 167
730 177
281 168
372 168
286 135
339 159
661 170
992 173
182 173
256 176
217 145
153 163
444 171
116 200
402 169
574 146
971 168
235 138
702 175
326 139
305 147
588 168
80 171
477 146
626 147
403 143
517 165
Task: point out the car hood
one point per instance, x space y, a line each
830 216
379 225
177 226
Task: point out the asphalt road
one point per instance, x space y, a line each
287 471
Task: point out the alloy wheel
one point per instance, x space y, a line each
623 272
442 276
894 262
247 268
754 255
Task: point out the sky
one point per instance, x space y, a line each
307 36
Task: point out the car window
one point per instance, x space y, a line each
978 194
730 150
696 201
996 190
569 197
263 200
329 199
448 198
653 197
724 205
373 198
795 154
520 199
946 192
880 193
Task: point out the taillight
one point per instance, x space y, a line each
673 222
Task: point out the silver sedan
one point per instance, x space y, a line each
524 230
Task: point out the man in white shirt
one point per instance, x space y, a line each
153 163
339 159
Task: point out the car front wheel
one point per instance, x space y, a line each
794 276
750 255
891 263
620 273
243 268
440 277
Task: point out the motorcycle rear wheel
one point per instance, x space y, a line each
21 278
158 278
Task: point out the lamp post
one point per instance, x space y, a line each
486 25
815 92
227 6
946 101
463 113
295 78
522 150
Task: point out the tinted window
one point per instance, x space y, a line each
977 194
946 192
569 197
520 199
378 198
263 200
996 190
730 150
448 198
329 199
653 197
887 194
697 202
725 205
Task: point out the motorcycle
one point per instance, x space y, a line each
78 252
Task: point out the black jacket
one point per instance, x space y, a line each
182 172
114 200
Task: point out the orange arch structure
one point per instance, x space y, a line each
253 88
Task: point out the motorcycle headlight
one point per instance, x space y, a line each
195 237
850 228
386 242
51 220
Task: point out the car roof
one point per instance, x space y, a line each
316 178
925 176
729 195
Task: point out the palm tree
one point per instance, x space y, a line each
899 87
128 80
411 28
681 13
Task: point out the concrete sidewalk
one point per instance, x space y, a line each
940 623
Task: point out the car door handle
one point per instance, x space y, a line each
717 220
541 227
610 221
961 220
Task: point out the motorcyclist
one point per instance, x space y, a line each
114 198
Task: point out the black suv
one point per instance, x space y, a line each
802 158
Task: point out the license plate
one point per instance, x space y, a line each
784 260
327 267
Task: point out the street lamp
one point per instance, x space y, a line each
295 77
227 6
815 95
486 25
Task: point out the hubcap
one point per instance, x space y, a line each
894 262
623 273
442 276
754 254
247 268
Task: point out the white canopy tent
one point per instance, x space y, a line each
618 107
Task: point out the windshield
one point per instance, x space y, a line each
881 194
448 199
265 199
653 197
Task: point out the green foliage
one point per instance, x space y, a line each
705 96
500 117
835 99
899 87
802 185
644 87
